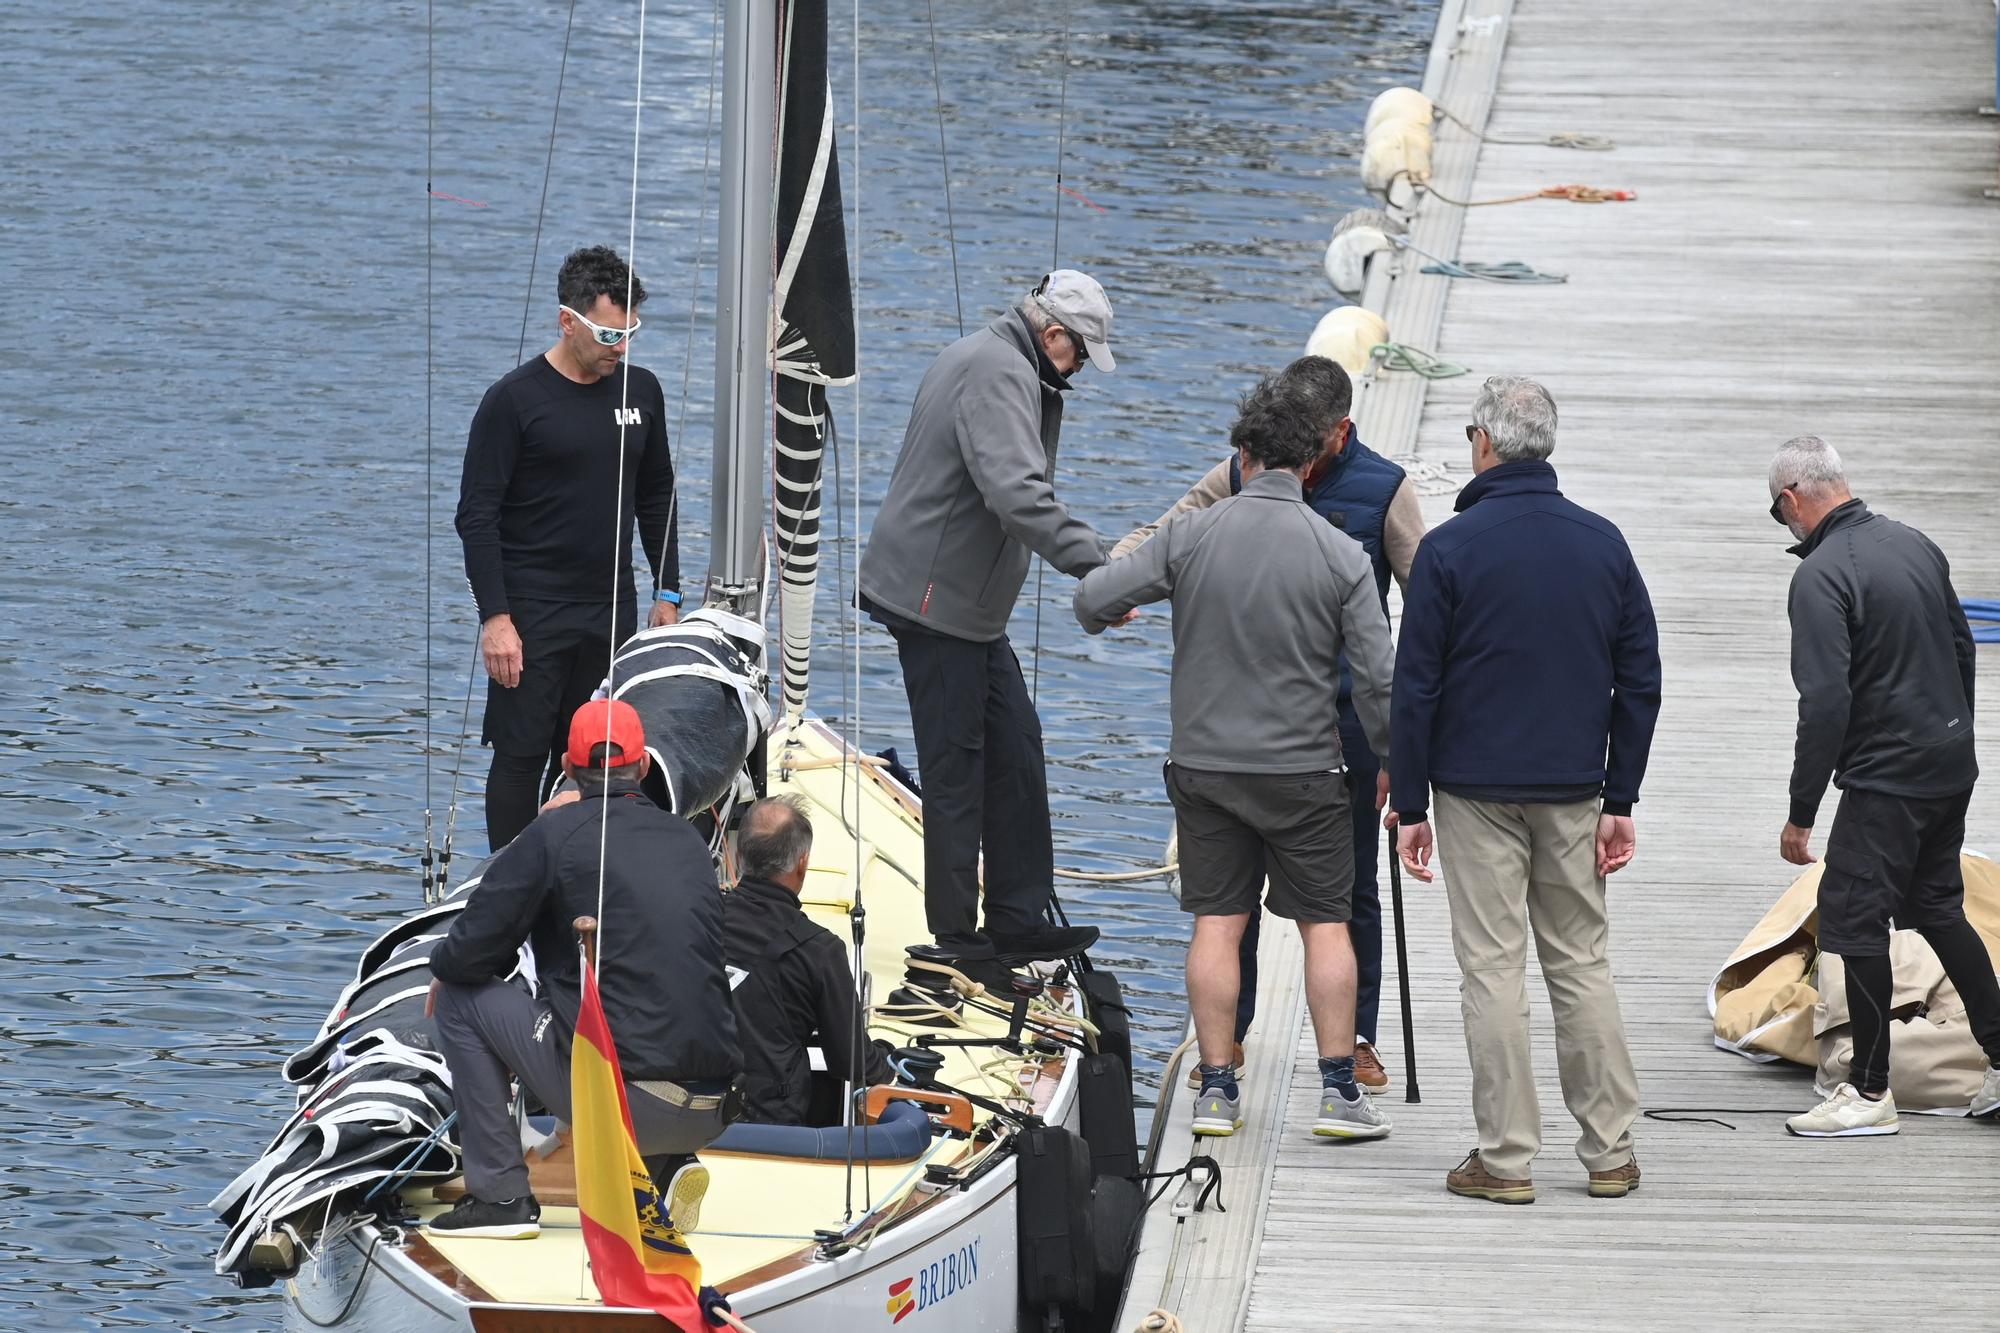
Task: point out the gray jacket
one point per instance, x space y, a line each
1884 663
970 496
1266 594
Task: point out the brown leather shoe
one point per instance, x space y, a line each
1368 1071
1616 1183
1471 1179
1194 1067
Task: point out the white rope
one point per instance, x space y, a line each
1119 876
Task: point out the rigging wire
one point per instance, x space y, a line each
520 355
621 547
430 481
1055 261
944 160
858 916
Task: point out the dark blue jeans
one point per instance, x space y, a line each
1366 927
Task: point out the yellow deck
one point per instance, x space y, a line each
761 1211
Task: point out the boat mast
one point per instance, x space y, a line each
743 304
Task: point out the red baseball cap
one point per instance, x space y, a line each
603 719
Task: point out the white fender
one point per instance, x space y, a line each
1347 257
1402 104
1396 148
1347 334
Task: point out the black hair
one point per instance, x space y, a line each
1275 422
595 271
1325 386
774 834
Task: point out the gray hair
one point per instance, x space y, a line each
774 834
1038 316
1518 416
1807 464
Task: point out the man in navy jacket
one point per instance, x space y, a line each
1527 686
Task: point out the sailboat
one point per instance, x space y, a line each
990 1188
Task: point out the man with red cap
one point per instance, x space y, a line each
660 973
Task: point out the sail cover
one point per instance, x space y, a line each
813 327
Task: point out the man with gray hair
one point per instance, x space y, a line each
1527 687
971 496
792 982
1883 660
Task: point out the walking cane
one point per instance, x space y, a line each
1403 974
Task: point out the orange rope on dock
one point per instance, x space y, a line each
1575 194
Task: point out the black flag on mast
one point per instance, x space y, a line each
814 322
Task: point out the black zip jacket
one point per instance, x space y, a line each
1883 660
660 966
798 984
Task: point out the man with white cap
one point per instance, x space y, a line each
971 496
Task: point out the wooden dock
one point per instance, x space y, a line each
1810 252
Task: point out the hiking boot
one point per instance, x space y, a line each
501 1219
1846 1114
1044 944
683 1197
1616 1183
1984 1102
1340 1118
1218 1108
1368 1071
1194 1070
1471 1179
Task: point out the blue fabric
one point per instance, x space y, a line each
1529 656
1337 1072
903 1132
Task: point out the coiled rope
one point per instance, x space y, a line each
1427 365
1509 270
1575 194
1590 143
1160 1321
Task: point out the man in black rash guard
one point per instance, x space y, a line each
545 514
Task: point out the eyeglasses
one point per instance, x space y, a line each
1472 434
1777 510
608 337
1076 346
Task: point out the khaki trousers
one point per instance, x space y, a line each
1509 869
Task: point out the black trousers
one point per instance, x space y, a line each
565 654
979 757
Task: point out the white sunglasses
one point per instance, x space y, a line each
608 337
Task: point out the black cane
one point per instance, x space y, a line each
1403 974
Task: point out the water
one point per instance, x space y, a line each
212 630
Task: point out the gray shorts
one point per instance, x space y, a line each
1238 829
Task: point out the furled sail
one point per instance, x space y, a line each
814 333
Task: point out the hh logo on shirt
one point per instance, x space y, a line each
627 416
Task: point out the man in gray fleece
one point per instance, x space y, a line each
1266 596
970 497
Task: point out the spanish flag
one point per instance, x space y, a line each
637 1260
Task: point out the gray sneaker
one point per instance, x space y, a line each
1987 1100
1218 1113
1340 1118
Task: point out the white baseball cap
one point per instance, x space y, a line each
1077 302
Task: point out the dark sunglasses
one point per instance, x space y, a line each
1472 434
1777 513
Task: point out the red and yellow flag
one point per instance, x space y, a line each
636 1258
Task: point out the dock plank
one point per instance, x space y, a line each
1810 253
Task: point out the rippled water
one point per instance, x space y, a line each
212 630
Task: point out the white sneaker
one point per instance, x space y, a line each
1846 1114
1340 1118
1987 1100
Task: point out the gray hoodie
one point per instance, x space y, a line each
970 496
1266 593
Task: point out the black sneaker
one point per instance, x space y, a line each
996 976
1044 944
506 1219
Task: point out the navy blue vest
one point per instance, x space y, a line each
1354 496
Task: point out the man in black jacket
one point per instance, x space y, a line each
660 975
557 446
796 983
1883 660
